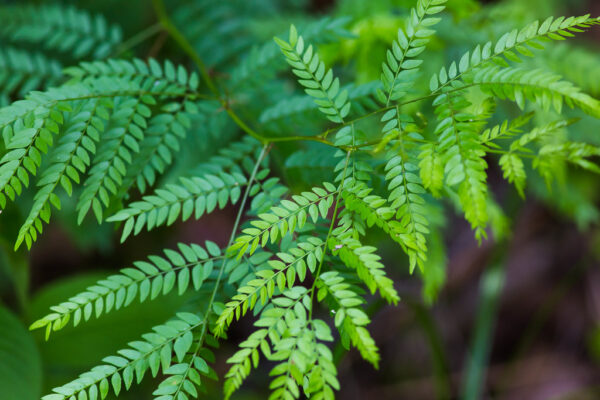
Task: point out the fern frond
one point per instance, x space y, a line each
511 46
505 130
375 210
539 134
539 86
319 83
154 352
513 170
576 153
431 168
28 125
118 134
146 281
349 318
262 62
182 378
511 163
270 323
287 217
161 141
119 144
150 75
69 158
22 71
463 157
296 345
322 378
406 197
401 67
59 28
366 263
197 195
299 106
281 273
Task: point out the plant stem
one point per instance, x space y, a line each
137 39
491 286
439 361
209 308
185 45
335 210
237 221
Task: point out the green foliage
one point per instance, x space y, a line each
159 351
402 65
292 264
190 266
22 71
124 137
59 28
286 218
319 83
463 157
21 364
350 319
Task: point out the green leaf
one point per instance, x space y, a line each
22 370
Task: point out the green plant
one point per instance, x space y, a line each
113 126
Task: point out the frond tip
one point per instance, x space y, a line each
319 83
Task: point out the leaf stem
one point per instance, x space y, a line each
335 210
163 17
138 38
209 308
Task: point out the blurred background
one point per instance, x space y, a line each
517 317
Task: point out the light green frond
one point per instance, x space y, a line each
293 263
513 170
285 218
505 130
193 196
544 88
157 351
511 46
298 349
405 196
366 262
350 319
375 210
270 324
431 168
402 64
463 157
191 265
183 377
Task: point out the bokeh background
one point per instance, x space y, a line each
517 317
